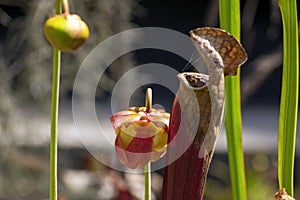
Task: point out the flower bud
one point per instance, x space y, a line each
66 31
141 136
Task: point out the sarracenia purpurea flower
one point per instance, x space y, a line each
141 135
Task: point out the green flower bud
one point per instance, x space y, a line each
66 31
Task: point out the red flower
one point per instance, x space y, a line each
141 136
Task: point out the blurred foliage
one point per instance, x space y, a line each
25 80
26 57
83 177
261 177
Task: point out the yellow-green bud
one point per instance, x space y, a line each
66 31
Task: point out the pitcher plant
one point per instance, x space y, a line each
197 113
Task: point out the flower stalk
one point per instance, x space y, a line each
66 6
54 116
147 168
56 33
147 173
54 124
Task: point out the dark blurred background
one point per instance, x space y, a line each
25 91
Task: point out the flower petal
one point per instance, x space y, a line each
141 136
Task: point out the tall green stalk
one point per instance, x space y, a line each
147 168
147 173
230 21
289 96
54 116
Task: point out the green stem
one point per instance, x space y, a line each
54 117
230 21
54 122
147 172
147 169
289 96
58 6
